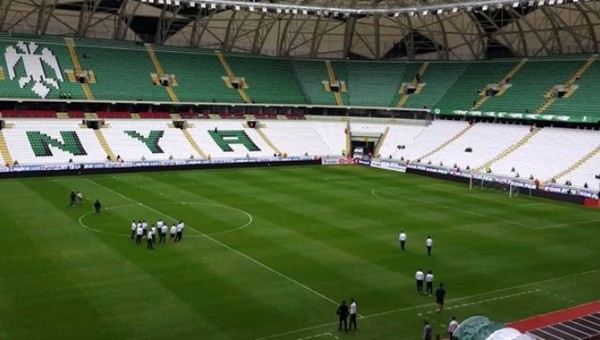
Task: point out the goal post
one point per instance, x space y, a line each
512 187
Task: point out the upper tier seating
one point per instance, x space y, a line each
311 74
198 78
447 86
37 68
269 80
438 79
530 84
129 79
370 83
472 81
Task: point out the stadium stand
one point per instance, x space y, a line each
469 87
371 83
43 77
583 101
310 75
227 139
269 80
434 136
437 79
199 78
312 138
530 84
539 157
136 140
479 144
52 142
128 80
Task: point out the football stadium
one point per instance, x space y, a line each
300 169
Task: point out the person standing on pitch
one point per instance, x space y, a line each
139 234
419 276
429 244
163 233
342 313
427 331
429 283
97 206
150 239
402 238
440 294
173 232
452 327
352 314
133 229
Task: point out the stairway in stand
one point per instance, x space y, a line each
332 79
550 95
579 163
77 69
193 143
231 76
509 150
446 143
4 150
262 135
160 73
104 144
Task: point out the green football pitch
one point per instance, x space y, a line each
268 253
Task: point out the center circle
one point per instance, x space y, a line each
208 219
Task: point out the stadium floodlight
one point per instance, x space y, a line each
305 11
279 10
515 4
454 9
295 11
397 14
161 2
425 12
411 13
265 10
177 3
237 7
440 11
168 2
484 8
335 14
192 4
213 6
550 2
541 3
559 2
251 8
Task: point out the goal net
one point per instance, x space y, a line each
511 187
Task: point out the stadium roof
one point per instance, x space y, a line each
356 29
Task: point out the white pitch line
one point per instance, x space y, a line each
568 224
328 334
280 274
394 311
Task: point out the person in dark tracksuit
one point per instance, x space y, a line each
342 312
97 206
